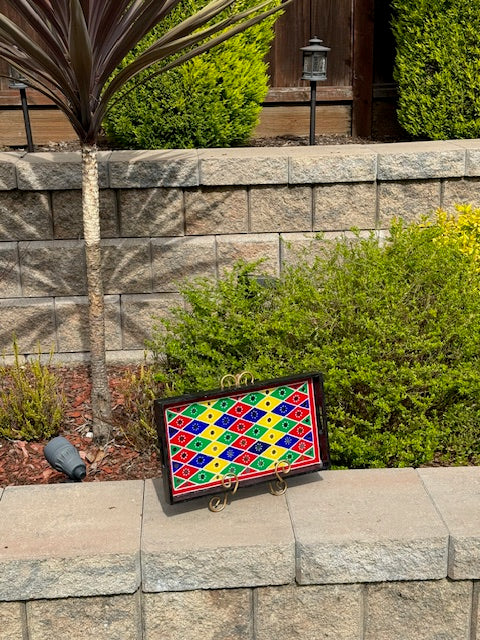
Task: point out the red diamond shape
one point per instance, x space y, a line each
182 438
180 422
244 442
239 409
299 413
240 426
297 398
300 431
184 455
185 472
301 446
245 458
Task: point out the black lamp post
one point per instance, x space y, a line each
314 69
21 86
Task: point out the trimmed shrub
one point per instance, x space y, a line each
437 67
213 100
395 329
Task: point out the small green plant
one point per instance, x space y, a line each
31 405
461 230
436 67
139 388
394 328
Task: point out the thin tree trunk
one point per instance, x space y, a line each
101 404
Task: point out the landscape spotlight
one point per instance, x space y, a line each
314 70
63 456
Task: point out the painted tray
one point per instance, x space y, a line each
248 434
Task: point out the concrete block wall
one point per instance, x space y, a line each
170 215
350 555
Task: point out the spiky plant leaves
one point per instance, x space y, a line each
77 47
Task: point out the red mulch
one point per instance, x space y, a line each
24 463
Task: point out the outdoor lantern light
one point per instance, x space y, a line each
17 83
63 456
314 69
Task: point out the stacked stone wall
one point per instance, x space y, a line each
171 215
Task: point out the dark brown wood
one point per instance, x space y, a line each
362 73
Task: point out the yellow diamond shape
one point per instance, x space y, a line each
209 415
269 420
268 403
212 433
214 448
217 466
271 436
274 452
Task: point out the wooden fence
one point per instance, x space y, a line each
357 98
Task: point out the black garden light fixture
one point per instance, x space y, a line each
17 83
314 70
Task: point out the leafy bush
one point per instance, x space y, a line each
213 100
395 329
437 67
31 406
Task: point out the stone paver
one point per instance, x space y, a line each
144 169
419 160
221 614
111 618
332 612
426 610
249 166
461 515
12 616
70 540
186 547
53 170
365 526
330 164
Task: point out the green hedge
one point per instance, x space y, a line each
437 67
213 100
395 329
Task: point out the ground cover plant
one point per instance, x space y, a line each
394 327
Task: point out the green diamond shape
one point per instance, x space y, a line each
223 404
178 481
282 392
233 468
285 425
174 449
197 444
309 453
253 398
194 410
256 431
202 477
171 416
290 456
307 420
228 437
260 463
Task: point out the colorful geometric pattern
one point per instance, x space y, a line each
246 433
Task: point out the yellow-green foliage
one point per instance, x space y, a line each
213 100
31 406
461 231
437 67
139 390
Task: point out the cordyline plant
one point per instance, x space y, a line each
77 48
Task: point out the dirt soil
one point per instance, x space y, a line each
277 141
23 462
